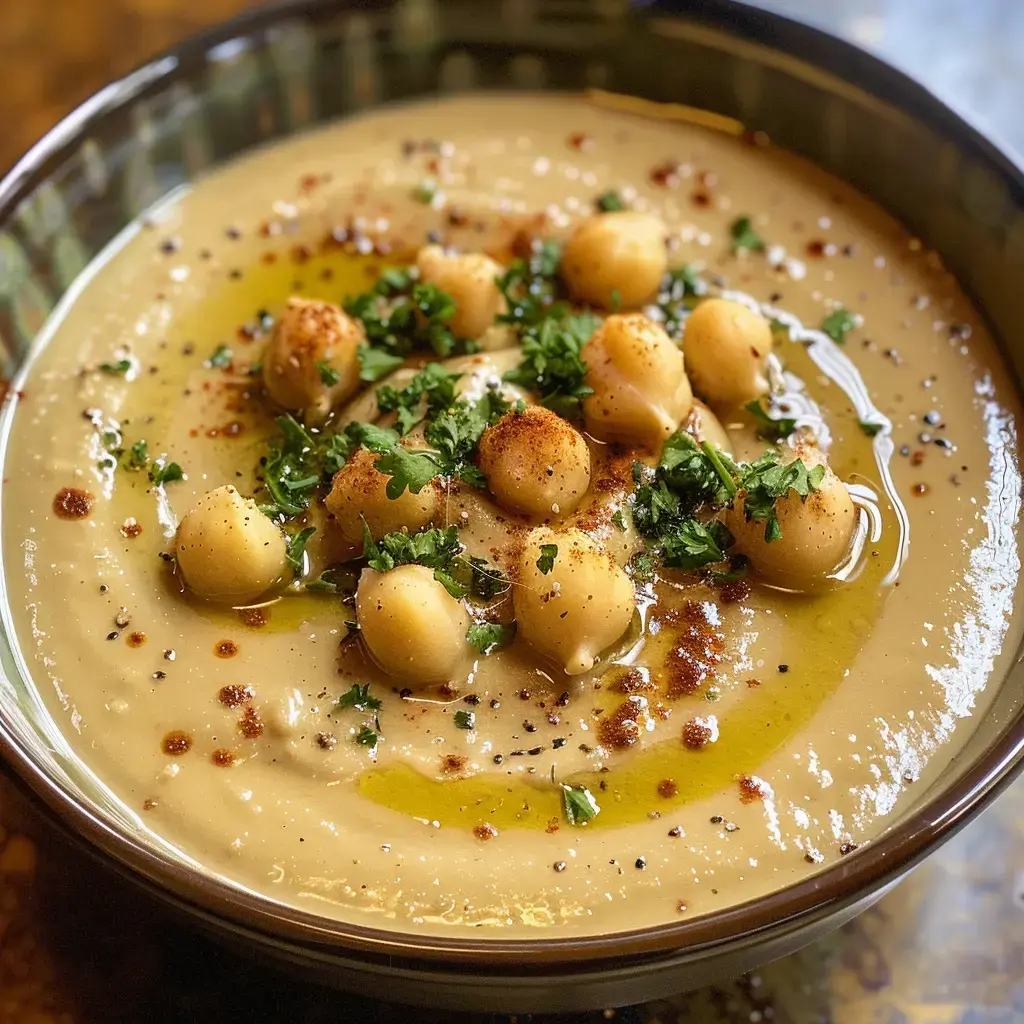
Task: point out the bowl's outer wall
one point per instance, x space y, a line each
285 68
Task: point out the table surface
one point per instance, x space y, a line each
945 947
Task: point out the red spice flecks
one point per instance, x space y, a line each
254 618
72 503
698 649
580 141
635 680
149 804
753 683
452 764
251 724
697 734
233 696
308 182
176 743
485 831
667 788
225 648
552 826
665 175
136 639
752 788
734 591
131 528
700 197
622 728
223 758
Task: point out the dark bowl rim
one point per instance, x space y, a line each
817 896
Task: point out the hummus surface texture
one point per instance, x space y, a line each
737 732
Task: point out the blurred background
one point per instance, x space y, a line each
77 946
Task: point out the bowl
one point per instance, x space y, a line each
280 69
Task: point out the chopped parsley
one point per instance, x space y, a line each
489 636
162 472
530 286
116 369
222 357
696 473
552 362
433 385
838 324
768 427
679 288
871 429
548 554
295 552
375 363
486 582
455 434
358 697
138 456
425 191
292 469
768 479
465 719
610 201
619 519
435 549
329 376
580 805
367 737
693 544
744 237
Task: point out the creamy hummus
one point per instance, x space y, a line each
818 717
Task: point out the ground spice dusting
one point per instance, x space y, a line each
136 639
696 734
622 728
131 528
750 789
72 503
698 649
176 743
667 788
485 831
254 618
223 758
225 648
452 764
149 804
233 696
251 724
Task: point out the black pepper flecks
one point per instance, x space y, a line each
641 863
783 669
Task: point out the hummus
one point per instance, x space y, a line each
734 731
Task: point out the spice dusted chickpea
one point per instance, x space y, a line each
576 609
726 345
411 626
535 462
358 492
616 259
469 279
311 362
817 532
641 391
227 550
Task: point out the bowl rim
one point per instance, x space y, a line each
820 895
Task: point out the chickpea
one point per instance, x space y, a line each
358 493
535 462
469 279
641 391
616 254
312 343
227 550
726 345
816 532
704 425
414 629
580 607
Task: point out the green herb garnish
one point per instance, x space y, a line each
329 376
838 324
610 202
768 479
488 636
138 456
871 429
530 286
744 237
433 548
693 544
465 719
425 191
455 434
116 369
768 427
295 552
358 697
367 737
221 358
433 385
375 363
580 805
548 554
165 472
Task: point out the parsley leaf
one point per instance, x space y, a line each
694 544
425 191
697 474
367 737
744 237
485 581
295 552
610 202
871 429
456 432
489 636
329 376
292 470
530 286
408 468
552 362
465 719
679 287
165 472
116 369
768 427
358 697
375 363
436 549
222 357
838 324
548 554
138 456
580 805
767 479
619 519
433 383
